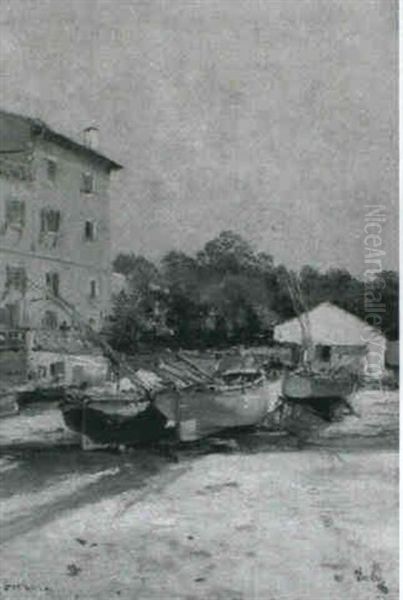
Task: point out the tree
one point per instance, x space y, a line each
140 313
180 272
124 263
126 323
236 284
230 294
228 252
283 303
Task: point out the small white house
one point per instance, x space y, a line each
339 338
67 369
64 357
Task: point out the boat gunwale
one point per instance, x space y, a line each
223 388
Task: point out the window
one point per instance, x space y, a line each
15 213
57 370
51 169
9 315
87 183
89 231
50 220
93 289
49 320
323 353
16 278
52 283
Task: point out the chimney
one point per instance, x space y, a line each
91 137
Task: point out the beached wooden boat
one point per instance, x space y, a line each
113 418
321 390
200 410
324 393
34 394
197 408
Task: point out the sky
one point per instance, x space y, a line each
275 118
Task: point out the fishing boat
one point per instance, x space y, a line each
236 398
113 418
191 402
325 393
323 390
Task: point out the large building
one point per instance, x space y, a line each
54 226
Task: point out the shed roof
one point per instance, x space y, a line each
330 325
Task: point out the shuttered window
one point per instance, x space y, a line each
51 169
15 212
50 220
87 183
90 231
93 289
16 278
52 283
49 320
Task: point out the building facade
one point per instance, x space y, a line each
54 227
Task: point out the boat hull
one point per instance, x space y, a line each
40 395
114 422
202 410
300 386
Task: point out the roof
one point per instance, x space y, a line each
40 128
330 325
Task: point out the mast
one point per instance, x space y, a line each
302 315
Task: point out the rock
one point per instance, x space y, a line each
359 575
81 541
73 570
382 587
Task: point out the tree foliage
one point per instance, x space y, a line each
229 293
